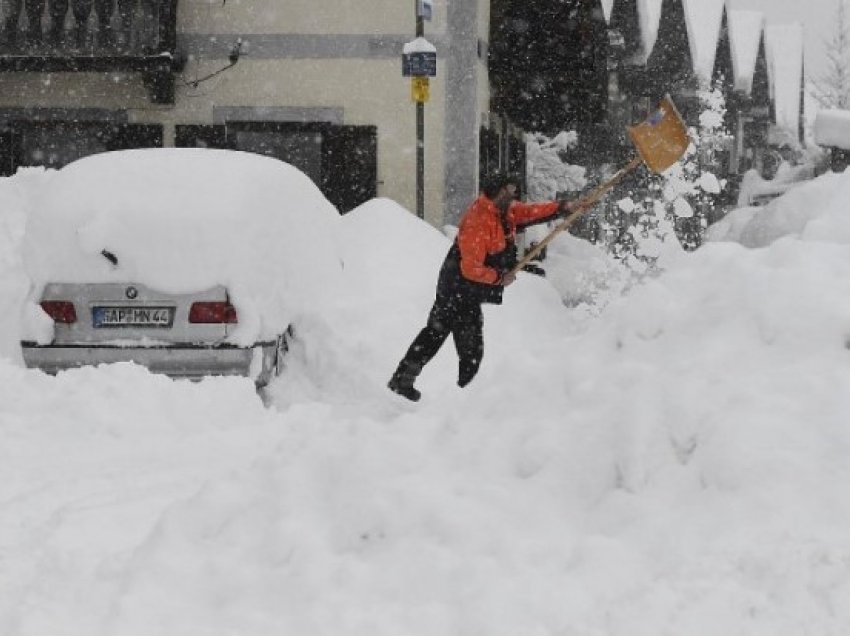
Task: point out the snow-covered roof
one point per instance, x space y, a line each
832 128
784 44
745 31
607 8
703 18
650 15
419 45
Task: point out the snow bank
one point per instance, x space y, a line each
182 220
392 260
15 201
804 211
676 465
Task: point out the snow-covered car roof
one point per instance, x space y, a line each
182 220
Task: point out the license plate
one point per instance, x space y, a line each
133 316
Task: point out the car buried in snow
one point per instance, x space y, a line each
180 335
190 262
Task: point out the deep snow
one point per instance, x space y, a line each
668 459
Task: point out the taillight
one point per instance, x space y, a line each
212 312
60 310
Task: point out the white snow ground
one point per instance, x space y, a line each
670 461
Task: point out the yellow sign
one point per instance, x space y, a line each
420 89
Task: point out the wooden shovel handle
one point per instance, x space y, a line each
579 208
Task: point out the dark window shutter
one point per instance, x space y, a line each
130 136
9 159
201 137
489 159
350 165
517 160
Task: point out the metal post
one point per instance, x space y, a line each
420 130
420 160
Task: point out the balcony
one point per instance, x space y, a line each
92 35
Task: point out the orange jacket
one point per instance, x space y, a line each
481 234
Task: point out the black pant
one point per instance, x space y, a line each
462 319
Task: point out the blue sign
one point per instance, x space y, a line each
422 64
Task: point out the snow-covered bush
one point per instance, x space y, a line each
548 173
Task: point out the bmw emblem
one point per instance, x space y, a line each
131 292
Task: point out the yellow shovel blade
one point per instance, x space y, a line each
663 138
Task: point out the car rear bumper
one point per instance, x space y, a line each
178 361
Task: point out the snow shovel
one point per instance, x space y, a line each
660 141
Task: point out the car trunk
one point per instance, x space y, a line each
129 313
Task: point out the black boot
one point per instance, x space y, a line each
403 379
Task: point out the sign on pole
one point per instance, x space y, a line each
419 59
419 65
425 9
420 89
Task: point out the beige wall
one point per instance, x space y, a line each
306 16
110 91
369 92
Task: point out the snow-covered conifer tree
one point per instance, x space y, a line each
673 210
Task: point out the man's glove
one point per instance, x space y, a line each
506 279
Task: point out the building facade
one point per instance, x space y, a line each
317 83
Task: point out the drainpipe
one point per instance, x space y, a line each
461 126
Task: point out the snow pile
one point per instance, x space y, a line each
184 220
15 195
817 203
585 275
676 465
832 128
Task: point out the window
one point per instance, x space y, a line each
54 144
341 160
